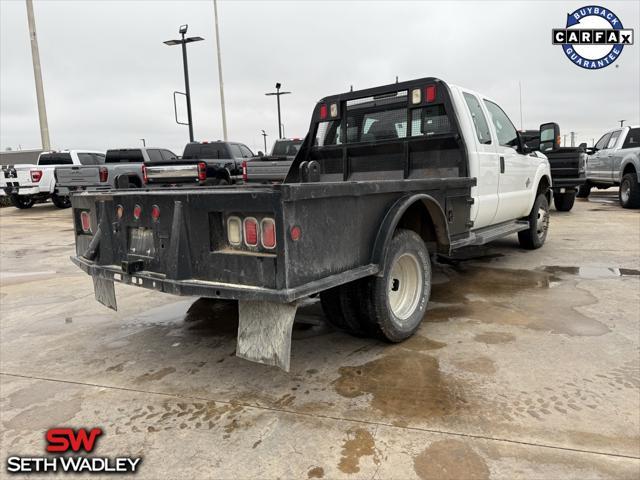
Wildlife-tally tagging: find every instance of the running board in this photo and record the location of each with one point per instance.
(489, 234)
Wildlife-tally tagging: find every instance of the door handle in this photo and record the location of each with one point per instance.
(501, 164)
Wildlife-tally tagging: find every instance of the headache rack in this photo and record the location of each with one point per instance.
(399, 131)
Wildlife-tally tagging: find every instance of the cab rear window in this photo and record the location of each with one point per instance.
(124, 156)
(55, 159)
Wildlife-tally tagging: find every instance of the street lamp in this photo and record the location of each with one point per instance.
(277, 93)
(183, 42)
(264, 135)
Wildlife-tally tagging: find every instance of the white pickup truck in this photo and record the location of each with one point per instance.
(385, 178)
(26, 184)
(615, 161)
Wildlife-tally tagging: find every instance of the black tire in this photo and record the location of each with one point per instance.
(61, 201)
(341, 308)
(408, 258)
(629, 193)
(21, 201)
(535, 236)
(584, 190)
(564, 201)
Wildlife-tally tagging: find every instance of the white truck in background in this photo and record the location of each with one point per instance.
(26, 184)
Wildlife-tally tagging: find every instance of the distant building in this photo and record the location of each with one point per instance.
(12, 157)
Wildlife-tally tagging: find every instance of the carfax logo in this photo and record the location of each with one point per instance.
(68, 443)
(593, 37)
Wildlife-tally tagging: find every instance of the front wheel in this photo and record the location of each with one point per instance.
(629, 193)
(61, 201)
(394, 304)
(564, 201)
(536, 234)
(21, 201)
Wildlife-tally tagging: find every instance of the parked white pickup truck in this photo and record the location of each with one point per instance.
(615, 161)
(26, 184)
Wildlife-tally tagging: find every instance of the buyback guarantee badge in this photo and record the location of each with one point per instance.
(593, 37)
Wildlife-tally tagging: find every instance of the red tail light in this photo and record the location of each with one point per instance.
(430, 93)
(104, 174)
(268, 233)
(36, 175)
(145, 177)
(137, 211)
(323, 111)
(296, 232)
(155, 213)
(245, 177)
(202, 171)
(85, 221)
(251, 232)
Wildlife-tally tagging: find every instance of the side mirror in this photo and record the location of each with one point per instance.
(260, 153)
(549, 137)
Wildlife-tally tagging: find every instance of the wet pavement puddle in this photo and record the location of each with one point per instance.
(521, 298)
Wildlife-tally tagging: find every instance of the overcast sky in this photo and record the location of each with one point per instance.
(108, 78)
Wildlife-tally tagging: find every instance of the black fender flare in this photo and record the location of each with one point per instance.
(393, 216)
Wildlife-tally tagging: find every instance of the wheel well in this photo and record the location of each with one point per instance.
(418, 219)
(629, 168)
(543, 187)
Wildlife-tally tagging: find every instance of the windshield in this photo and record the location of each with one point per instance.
(55, 159)
(124, 156)
(286, 147)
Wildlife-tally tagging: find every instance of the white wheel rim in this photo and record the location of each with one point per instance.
(405, 286)
(543, 222)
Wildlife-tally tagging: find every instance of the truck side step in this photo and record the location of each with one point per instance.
(489, 234)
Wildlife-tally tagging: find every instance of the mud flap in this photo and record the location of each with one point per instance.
(105, 292)
(264, 332)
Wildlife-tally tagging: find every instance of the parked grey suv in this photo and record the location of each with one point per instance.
(615, 161)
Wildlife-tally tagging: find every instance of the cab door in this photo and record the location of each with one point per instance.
(609, 157)
(596, 164)
(517, 171)
(488, 164)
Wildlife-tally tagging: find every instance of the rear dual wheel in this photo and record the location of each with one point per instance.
(391, 306)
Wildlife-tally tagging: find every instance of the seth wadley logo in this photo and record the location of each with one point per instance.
(593, 37)
(67, 440)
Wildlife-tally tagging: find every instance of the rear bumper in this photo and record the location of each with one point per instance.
(19, 190)
(567, 182)
(204, 288)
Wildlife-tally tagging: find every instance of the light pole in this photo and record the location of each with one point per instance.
(224, 115)
(277, 93)
(264, 135)
(622, 122)
(37, 73)
(183, 42)
(144, 142)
